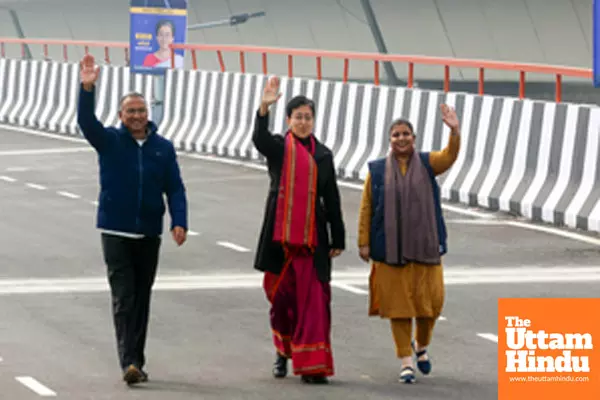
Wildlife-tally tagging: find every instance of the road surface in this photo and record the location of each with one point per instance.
(209, 335)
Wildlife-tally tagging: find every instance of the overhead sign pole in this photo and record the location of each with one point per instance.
(596, 43)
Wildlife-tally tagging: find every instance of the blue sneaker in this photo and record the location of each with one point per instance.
(423, 365)
(407, 375)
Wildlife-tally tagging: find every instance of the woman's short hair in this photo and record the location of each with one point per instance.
(297, 102)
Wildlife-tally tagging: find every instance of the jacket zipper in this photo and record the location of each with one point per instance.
(140, 186)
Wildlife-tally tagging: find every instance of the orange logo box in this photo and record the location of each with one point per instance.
(549, 349)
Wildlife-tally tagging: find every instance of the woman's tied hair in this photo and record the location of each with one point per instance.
(401, 121)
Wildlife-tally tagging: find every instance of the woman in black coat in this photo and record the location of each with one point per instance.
(302, 231)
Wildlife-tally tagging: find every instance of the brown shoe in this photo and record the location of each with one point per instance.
(132, 375)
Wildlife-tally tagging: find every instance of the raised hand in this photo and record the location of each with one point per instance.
(271, 92)
(88, 71)
(449, 117)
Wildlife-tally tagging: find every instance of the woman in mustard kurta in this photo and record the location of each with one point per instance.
(402, 231)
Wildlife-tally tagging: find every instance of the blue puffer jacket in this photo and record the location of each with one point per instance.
(133, 178)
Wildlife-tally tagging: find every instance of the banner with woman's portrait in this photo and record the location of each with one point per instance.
(155, 24)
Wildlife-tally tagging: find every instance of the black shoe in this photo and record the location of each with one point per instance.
(132, 375)
(280, 367)
(315, 379)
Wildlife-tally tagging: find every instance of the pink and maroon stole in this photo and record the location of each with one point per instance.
(303, 336)
(295, 213)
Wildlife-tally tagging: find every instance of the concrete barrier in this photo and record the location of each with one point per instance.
(530, 158)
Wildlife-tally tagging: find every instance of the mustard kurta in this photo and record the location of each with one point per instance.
(414, 290)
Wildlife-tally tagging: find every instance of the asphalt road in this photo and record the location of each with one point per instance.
(209, 335)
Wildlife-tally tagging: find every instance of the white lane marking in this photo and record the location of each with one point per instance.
(441, 318)
(455, 209)
(349, 288)
(488, 336)
(193, 233)
(69, 195)
(7, 179)
(476, 222)
(42, 134)
(17, 169)
(254, 280)
(45, 151)
(556, 231)
(35, 386)
(233, 246)
(35, 186)
(1, 359)
(95, 202)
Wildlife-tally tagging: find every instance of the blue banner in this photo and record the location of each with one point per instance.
(154, 25)
(596, 41)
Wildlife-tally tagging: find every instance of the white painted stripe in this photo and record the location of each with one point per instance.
(233, 246)
(349, 288)
(36, 152)
(520, 157)
(594, 218)
(453, 276)
(361, 146)
(17, 169)
(385, 96)
(180, 133)
(1, 359)
(43, 121)
(483, 197)
(193, 233)
(488, 222)
(33, 84)
(488, 336)
(7, 179)
(230, 147)
(41, 134)
(69, 195)
(233, 120)
(566, 163)
(334, 113)
(428, 132)
(556, 232)
(589, 170)
(441, 318)
(36, 186)
(210, 111)
(462, 155)
(35, 386)
(33, 117)
(225, 102)
(543, 155)
(24, 69)
(482, 134)
(8, 100)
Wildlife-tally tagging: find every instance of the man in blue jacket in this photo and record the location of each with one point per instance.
(137, 167)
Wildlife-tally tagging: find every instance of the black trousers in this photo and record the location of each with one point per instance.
(131, 267)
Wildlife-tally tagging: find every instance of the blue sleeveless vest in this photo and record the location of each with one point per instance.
(377, 237)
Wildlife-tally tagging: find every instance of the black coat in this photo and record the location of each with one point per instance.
(269, 255)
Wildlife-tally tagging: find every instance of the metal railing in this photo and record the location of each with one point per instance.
(319, 55)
